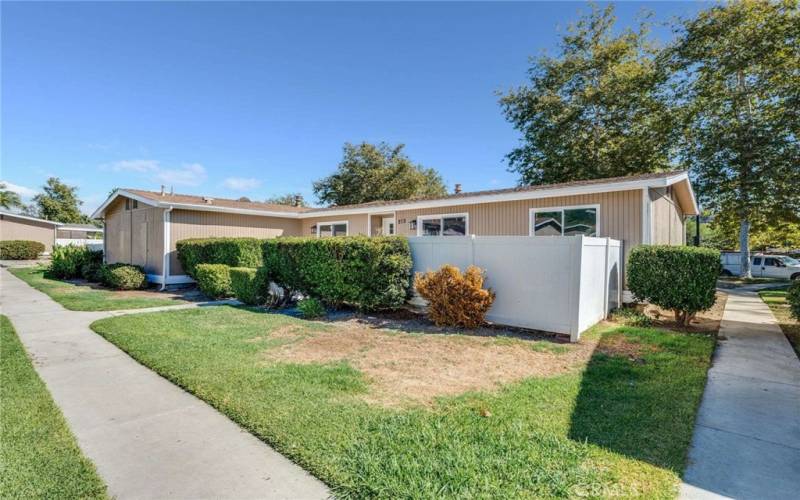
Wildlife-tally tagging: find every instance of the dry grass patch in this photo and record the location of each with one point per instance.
(704, 322)
(417, 367)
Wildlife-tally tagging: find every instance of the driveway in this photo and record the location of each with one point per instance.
(746, 442)
(147, 437)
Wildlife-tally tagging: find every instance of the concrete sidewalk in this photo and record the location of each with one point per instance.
(746, 442)
(147, 437)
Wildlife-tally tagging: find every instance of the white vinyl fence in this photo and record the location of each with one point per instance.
(81, 242)
(561, 284)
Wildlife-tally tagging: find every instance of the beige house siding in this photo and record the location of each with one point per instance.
(356, 224)
(196, 224)
(619, 218)
(12, 228)
(668, 218)
(135, 236)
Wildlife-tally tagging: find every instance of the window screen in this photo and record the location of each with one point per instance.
(454, 226)
(548, 223)
(431, 227)
(565, 222)
(580, 221)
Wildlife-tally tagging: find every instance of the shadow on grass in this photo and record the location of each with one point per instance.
(640, 392)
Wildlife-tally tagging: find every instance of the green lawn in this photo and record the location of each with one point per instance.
(83, 298)
(619, 426)
(39, 457)
(776, 300)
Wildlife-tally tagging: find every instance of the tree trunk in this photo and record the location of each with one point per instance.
(744, 247)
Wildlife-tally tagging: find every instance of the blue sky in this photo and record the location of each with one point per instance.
(257, 99)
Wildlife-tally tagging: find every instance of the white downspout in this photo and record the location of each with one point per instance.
(165, 263)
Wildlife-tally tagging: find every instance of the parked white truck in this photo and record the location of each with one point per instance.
(762, 266)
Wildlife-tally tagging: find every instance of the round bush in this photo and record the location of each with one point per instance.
(124, 276)
(20, 249)
(455, 298)
(310, 308)
(681, 279)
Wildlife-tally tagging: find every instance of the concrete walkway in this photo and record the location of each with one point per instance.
(147, 437)
(746, 442)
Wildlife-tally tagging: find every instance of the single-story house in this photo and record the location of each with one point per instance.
(142, 227)
(23, 227)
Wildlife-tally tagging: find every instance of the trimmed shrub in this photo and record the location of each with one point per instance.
(249, 285)
(455, 298)
(67, 262)
(681, 279)
(310, 308)
(214, 280)
(233, 252)
(793, 298)
(367, 273)
(20, 249)
(124, 276)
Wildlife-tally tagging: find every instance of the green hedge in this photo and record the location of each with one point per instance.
(793, 298)
(681, 279)
(68, 262)
(233, 252)
(20, 249)
(249, 284)
(367, 273)
(123, 276)
(214, 280)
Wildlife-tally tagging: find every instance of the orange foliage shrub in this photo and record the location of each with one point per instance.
(455, 299)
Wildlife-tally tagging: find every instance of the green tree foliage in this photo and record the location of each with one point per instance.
(8, 198)
(370, 172)
(736, 70)
(290, 199)
(59, 202)
(593, 111)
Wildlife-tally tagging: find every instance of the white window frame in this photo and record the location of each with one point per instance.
(441, 217)
(533, 211)
(334, 223)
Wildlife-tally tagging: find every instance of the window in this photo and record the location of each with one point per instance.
(442, 225)
(328, 229)
(757, 261)
(572, 221)
(135, 203)
(772, 261)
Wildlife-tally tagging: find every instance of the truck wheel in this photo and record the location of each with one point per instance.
(796, 276)
(725, 272)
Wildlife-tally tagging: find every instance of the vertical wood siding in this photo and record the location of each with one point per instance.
(196, 224)
(135, 236)
(31, 230)
(620, 215)
(668, 218)
(357, 223)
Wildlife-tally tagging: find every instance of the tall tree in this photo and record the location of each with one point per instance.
(59, 202)
(737, 79)
(293, 199)
(370, 172)
(595, 110)
(8, 198)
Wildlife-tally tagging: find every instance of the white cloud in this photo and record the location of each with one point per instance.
(241, 183)
(188, 174)
(24, 192)
(191, 174)
(133, 166)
